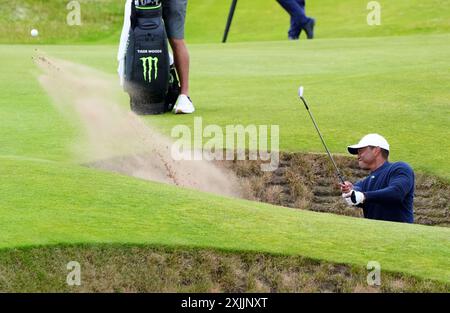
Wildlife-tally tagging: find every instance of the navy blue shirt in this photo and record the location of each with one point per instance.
(389, 193)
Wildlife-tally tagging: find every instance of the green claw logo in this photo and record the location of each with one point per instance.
(150, 63)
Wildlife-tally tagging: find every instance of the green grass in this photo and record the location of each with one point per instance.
(99, 18)
(255, 20)
(395, 86)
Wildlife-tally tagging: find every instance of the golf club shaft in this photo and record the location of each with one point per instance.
(338, 173)
(229, 20)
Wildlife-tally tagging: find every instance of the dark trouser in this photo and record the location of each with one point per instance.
(296, 9)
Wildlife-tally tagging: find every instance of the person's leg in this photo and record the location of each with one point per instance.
(301, 3)
(181, 56)
(174, 14)
(298, 17)
(308, 27)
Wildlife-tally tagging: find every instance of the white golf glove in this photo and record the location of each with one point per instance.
(354, 197)
(347, 199)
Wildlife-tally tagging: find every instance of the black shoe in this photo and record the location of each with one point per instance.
(309, 28)
(295, 38)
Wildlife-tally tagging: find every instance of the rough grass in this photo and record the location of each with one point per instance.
(137, 268)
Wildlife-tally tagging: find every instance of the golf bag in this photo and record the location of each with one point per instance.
(148, 73)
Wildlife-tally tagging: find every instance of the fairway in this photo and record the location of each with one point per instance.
(396, 86)
(394, 80)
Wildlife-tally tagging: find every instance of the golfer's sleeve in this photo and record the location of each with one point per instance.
(400, 183)
(125, 31)
(358, 186)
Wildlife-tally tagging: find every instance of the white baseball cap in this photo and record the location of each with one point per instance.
(373, 140)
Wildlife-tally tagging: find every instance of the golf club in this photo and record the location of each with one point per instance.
(229, 20)
(338, 173)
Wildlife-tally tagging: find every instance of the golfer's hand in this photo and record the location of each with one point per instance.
(354, 197)
(346, 187)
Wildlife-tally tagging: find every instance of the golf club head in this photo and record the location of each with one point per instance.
(300, 91)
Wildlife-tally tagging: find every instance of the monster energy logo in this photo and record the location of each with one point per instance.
(148, 64)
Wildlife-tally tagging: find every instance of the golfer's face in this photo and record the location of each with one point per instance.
(365, 157)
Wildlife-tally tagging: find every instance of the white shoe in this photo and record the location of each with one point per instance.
(183, 105)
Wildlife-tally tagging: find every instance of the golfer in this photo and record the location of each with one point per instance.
(388, 192)
(174, 14)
